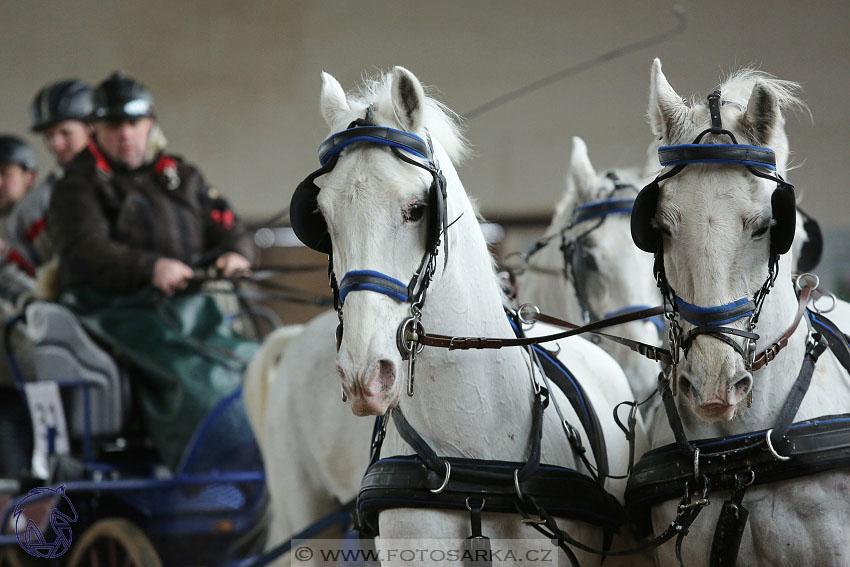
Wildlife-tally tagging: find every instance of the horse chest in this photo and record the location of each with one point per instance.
(794, 522)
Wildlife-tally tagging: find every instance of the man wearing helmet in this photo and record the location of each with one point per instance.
(127, 219)
(59, 112)
(17, 173)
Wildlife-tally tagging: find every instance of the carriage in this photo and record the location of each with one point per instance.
(108, 499)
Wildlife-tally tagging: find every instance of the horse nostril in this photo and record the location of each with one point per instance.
(386, 374)
(744, 384)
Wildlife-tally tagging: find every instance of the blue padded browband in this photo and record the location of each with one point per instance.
(738, 154)
(376, 135)
(717, 315)
(602, 209)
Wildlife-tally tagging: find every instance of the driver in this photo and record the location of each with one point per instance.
(130, 224)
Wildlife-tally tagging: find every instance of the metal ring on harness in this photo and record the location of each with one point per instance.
(480, 508)
(752, 479)
(445, 480)
(407, 340)
(520, 313)
(696, 462)
(806, 276)
(770, 445)
(516, 485)
(819, 310)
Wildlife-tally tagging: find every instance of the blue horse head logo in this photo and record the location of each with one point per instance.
(30, 537)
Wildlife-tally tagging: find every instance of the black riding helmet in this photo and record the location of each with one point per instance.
(15, 150)
(62, 100)
(121, 98)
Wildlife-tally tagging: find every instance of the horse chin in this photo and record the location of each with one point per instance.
(363, 406)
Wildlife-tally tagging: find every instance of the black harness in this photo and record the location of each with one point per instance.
(427, 480)
(787, 450)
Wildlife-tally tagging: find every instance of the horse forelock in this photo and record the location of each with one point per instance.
(374, 96)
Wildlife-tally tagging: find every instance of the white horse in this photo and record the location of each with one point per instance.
(314, 450)
(591, 269)
(466, 404)
(717, 231)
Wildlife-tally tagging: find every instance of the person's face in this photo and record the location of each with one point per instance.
(124, 141)
(14, 182)
(66, 139)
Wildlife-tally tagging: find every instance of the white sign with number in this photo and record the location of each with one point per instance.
(48, 423)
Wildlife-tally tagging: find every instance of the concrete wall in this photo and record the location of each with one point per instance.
(236, 83)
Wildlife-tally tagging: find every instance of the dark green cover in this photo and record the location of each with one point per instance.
(188, 355)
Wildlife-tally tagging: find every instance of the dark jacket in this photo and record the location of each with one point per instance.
(110, 225)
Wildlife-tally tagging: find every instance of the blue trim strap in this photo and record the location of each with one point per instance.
(603, 208)
(371, 280)
(377, 135)
(715, 315)
(738, 154)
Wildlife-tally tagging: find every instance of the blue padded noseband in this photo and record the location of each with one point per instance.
(370, 280)
(715, 315)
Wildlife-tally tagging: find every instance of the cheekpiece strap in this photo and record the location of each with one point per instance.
(377, 135)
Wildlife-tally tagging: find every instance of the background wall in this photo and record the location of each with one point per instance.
(237, 83)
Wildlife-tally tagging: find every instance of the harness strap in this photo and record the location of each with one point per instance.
(730, 529)
(719, 333)
(768, 354)
(438, 464)
(814, 446)
(798, 390)
(407, 482)
(465, 343)
(673, 417)
(838, 342)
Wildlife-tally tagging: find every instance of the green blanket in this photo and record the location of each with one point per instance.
(188, 355)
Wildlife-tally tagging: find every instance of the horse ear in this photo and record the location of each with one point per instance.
(762, 115)
(408, 99)
(668, 114)
(582, 174)
(651, 166)
(333, 101)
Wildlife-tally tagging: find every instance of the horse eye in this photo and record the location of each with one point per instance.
(759, 232)
(590, 262)
(663, 228)
(414, 212)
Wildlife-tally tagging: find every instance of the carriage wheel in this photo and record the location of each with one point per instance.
(113, 542)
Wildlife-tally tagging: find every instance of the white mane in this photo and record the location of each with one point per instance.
(738, 86)
(444, 125)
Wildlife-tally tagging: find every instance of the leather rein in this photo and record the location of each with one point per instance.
(529, 314)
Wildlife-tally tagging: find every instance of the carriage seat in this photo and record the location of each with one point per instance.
(63, 351)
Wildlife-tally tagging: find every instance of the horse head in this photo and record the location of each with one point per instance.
(719, 224)
(383, 199)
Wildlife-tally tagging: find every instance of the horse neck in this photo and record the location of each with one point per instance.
(545, 284)
(468, 403)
